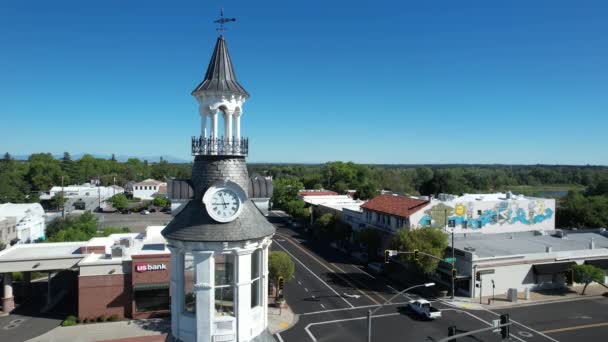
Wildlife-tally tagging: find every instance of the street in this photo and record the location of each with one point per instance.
(332, 295)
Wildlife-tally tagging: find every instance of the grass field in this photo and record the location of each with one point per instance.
(548, 190)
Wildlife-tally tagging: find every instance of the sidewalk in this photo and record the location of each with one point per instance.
(280, 319)
(149, 329)
(540, 297)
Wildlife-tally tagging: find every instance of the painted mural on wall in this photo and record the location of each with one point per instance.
(461, 215)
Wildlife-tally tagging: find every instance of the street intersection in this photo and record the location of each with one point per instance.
(331, 296)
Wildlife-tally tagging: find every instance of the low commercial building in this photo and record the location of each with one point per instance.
(126, 275)
(149, 188)
(533, 260)
(21, 223)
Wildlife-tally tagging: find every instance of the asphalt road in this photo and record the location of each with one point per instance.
(136, 222)
(332, 295)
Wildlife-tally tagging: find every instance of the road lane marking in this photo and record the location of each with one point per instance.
(353, 308)
(310, 334)
(323, 306)
(576, 327)
(313, 273)
(481, 320)
(362, 271)
(305, 289)
(313, 297)
(299, 283)
(524, 326)
(333, 271)
(279, 337)
(358, 282)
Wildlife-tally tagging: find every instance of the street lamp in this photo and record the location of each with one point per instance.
(371, 312)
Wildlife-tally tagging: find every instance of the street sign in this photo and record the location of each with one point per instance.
(450, 260)
(495, 324)
(486, 272)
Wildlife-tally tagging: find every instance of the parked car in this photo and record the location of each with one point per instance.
(145, 212)
(424, 308)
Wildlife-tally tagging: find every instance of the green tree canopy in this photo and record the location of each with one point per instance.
(285, 190)
(119, 202)
(160, 201)
(280, 265)
(432, 241)
(585, 274)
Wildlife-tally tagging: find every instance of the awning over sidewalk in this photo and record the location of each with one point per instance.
(552, 268)
(150, 286)
(601, 263)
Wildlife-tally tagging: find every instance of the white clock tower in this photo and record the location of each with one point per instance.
(219, 241)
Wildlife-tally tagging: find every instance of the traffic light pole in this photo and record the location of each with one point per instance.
(454, 337)
(389, 253)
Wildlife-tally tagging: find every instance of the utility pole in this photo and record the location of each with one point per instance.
(114, 187)
(453, 256)
(62, 200)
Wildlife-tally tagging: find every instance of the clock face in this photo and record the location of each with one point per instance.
(224, 205)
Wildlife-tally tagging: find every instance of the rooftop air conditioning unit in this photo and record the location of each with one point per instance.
(126, 241)
(469, 249)
(118, 251)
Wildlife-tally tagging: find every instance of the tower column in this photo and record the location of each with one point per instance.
(228, 124)
(237, 126)
(214, 123)
(204, 287)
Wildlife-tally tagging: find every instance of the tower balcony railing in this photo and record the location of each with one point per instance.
(220, 146)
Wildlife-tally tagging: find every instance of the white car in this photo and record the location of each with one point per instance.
(423, 308)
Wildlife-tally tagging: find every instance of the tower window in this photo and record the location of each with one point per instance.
(189, 281)
(256, 288)
(224, 285)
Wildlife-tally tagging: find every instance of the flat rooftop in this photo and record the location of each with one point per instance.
(42, 251)
(506, 244)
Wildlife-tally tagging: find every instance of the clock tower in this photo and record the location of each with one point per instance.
(219, 241)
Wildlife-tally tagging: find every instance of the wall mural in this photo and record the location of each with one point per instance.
(502, 213)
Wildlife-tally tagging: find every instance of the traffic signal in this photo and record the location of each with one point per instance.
(478, 276)
(452, 332)
(454, 273)
(387, 256)
(415, 254)
(281, 284)
(504, 331)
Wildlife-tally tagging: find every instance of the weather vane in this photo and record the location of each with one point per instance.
(221, 21)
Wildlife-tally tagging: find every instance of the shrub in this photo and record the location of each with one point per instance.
(113, 318)
(101, 318)
(69, 321)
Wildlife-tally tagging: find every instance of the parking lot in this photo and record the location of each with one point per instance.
(136, 222)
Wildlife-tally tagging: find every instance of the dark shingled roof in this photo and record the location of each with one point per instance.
(193, 223)
(220, 74)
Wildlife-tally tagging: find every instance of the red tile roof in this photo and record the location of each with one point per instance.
(394, 205)
(317, 193)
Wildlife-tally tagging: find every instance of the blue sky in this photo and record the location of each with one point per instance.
(368, 81)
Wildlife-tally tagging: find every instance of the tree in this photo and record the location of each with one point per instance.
(431, 241)
(280, 265)
(367, 190)
(297, 209)
(57, 201)
(160, 201)
(586, 274)
(322, 227)
(82, 228)
(7, 157)
(285, 190)
(119, 202)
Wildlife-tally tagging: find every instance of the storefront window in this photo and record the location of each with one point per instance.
(189, 281)
(152, 300)
(224, 285)
(256, 289)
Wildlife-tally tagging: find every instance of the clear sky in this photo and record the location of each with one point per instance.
(367, 81)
